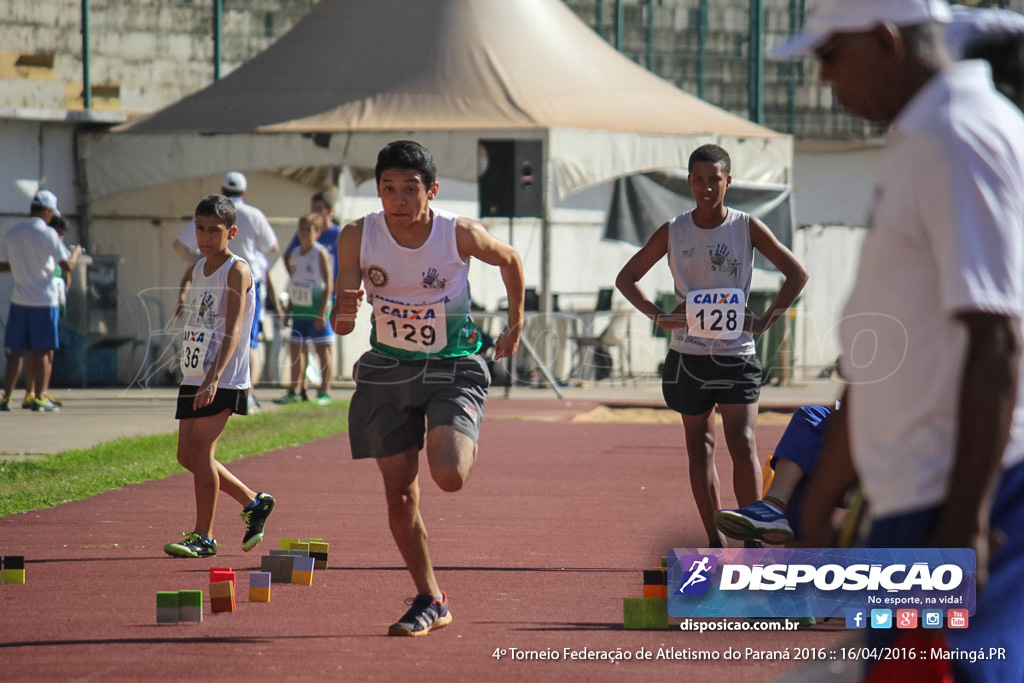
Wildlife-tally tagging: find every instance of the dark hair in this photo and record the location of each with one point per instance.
(406, 155)
(711, 154)
(218, 205)
(1005, 54)
(322, 197)
(59, 224)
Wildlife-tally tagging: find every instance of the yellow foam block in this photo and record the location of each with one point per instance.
(286, 543)
(259, 595)
(302, 578)
(14, 576)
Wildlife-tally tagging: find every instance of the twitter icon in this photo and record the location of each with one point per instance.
(881, 618)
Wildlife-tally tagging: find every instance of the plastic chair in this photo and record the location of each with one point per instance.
(145, 326)
(614, 337)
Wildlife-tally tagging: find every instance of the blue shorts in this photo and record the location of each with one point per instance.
(997, 619)
(801, 443)
(304, 330)
(254, 333)
(32, 328)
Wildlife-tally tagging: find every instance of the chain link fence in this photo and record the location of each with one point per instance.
(146, 54)
(703, 47)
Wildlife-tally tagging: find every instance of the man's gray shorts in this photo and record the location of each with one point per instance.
(395, 401)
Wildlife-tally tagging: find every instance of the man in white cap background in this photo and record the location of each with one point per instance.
(932, 421)
(32, 251)
(255, 239)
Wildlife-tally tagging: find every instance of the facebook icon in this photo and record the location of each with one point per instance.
(856, 618)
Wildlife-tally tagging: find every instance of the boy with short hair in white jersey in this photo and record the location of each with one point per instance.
(215, 382)
(309, 292)
(423, 370)
(711, 360)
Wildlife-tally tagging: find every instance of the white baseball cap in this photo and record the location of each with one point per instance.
(826, 17)
(234, 181)
(46, 200)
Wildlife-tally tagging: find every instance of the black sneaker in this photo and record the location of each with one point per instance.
(255, 516)
(194, 545)
(425, 614)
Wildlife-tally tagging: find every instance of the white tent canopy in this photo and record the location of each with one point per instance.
(353, 75)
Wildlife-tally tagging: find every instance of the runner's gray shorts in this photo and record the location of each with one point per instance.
(395, 401)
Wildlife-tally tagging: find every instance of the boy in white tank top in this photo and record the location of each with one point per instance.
(423, 371)
(215, 370)
(711, 361)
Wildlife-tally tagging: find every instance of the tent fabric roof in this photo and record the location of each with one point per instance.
(377, 65)
(355, 74)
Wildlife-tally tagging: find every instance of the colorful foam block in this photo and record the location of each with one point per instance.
(655, 591)
(190, 605)
(259, 594)
(318, 550)
(644, 613)
(295, 545)
(259, 586)
(167, 607)
(222, 596)
(302, 571)
(221, 574)
(14, 576)
(13, 569)
(259, 579)
(279, 566)
(286, 543)
(655, 577)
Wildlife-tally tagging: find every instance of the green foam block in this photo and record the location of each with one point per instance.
(645, 613)
(167, 598)
(190, 598)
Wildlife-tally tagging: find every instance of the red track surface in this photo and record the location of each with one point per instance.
(536, 553)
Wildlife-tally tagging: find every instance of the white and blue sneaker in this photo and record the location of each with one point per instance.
(759, 521)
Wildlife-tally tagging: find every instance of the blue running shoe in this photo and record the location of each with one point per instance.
(425, 614)
(756, 522)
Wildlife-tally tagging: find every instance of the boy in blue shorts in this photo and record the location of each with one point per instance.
(423, 372)
(309, 292)
(215, 382)
(711, 360)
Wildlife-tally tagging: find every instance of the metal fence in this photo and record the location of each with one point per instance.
(704, 47)
(144, 54)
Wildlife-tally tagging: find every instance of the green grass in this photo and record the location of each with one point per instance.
(80, 473)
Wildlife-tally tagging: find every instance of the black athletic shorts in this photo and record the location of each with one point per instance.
(693, 385)
(235, 400)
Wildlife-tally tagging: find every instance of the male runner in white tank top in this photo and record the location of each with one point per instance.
(423, 371)
(711, 359)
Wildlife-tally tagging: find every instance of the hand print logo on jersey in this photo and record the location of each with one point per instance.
(206, 315)
(432, 281)
(721, 262)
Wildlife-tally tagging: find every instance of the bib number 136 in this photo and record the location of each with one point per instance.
(715, 313)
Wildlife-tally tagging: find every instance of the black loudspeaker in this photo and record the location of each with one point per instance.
(510, 182)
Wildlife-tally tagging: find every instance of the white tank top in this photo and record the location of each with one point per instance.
(420, 296)
(204, 312)
(706, 259)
